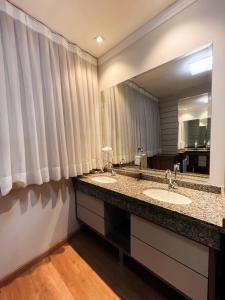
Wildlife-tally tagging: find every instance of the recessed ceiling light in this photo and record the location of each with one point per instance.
(201, 66)
(99, 39)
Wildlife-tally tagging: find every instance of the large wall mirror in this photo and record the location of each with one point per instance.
(162, 118)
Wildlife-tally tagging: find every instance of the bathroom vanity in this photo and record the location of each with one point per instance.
(180, 243)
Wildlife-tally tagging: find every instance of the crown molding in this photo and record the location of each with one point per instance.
(142, 91)
(161, 18)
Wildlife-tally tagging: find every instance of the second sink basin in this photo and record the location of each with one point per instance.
(167, 196)
(104, 179)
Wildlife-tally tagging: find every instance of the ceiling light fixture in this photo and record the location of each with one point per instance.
(201, 66)
(99, 39)
(203, 99)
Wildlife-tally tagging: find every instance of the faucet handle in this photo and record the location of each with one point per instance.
(122, 161)
(174, 185)
(176, 168)
(166, 173)
(113, 172)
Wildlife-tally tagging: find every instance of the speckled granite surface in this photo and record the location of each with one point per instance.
(202, 220)
(189, 180)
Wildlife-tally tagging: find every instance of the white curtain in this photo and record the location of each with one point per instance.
(130, 119)
(49, 104)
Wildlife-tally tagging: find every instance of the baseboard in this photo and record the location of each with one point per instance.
(10, 277)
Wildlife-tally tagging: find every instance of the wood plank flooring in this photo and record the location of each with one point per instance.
(87, 268)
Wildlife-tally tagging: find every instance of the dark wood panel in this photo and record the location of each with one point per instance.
(169, 108)
(169, 121)
(166, 126)
(169, 114)
(169, 124)
(168, 137)
(170, 131)
(169, 142)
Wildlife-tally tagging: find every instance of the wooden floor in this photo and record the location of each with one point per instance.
(87, 268)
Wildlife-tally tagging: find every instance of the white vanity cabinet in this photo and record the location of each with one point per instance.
(181, 262)
(90, 210)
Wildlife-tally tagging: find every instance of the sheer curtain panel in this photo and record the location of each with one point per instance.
(49, 104)
(130, 118)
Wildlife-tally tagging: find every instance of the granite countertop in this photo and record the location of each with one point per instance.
(191, 180)
(202, 220)
(188, 177)
(203, 178)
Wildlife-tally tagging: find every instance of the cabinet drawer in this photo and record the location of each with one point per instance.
(91, 219)
(189, 253)
(192, 284)
(91, 203)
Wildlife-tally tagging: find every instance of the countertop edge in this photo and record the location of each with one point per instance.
(192, 228)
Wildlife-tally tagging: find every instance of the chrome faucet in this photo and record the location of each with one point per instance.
(122, 162)
(176, 169)
(109, 164)
(113, 171)
(171, 184)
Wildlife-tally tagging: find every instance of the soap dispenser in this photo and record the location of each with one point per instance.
(140, 158)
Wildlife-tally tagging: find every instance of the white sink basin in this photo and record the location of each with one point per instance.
(104, 179)
(167, 196)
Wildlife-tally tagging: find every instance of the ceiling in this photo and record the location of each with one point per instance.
(80, 21)
(174, 78)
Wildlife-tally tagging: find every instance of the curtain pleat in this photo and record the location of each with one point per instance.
(49, 117)
(130, 119)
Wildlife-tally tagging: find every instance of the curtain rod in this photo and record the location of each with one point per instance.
(50, 29)
(141, 90)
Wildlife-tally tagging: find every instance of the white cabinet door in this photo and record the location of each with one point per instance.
(191, 254)
(91, 219)
(189, 282)
(91, 203)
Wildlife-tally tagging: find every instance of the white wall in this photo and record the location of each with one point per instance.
(199, 24)
(32, 220)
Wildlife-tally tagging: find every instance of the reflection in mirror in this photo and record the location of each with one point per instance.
(197, 133)
(161, 119)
